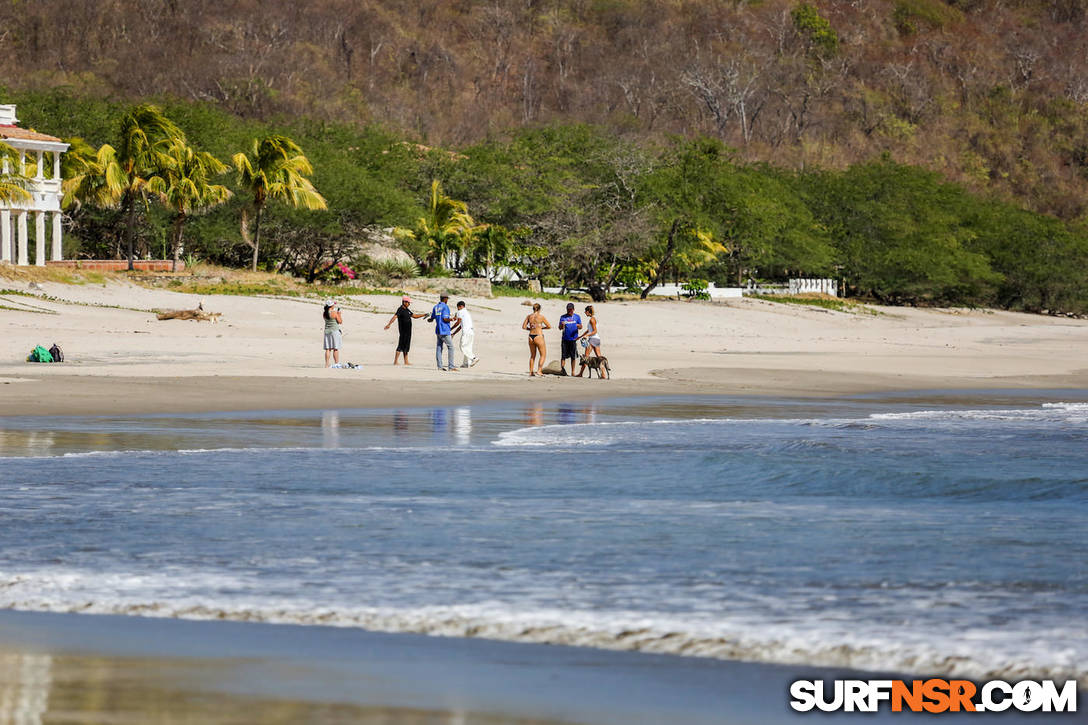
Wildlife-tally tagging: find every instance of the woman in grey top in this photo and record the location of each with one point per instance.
(332, 331)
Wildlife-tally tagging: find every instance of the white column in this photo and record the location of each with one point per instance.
(41, 164)
(56, 237)
(21, 224)
(39, 238)
(56, 165)
(5, 235)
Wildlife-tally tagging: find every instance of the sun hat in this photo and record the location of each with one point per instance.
(405, 298)
(444, 296)
(329, 302)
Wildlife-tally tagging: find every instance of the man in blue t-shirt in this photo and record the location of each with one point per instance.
(569, 325)
(440, 315)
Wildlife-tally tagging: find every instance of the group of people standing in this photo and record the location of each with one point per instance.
(447, 324)
(571, 326)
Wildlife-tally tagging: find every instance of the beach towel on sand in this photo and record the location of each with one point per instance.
(39, 354)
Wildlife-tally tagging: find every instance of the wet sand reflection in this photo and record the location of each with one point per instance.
(37, 689)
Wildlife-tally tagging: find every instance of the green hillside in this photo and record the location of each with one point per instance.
(922, 151)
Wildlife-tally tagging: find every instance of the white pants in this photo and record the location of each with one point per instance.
(467, 338)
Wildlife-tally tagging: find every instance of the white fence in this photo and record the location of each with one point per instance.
(814, 286)
(674, 290)
(795, 287)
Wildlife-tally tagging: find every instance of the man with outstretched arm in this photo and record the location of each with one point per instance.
(404, 317)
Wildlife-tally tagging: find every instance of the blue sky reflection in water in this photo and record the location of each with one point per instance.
(877, 533)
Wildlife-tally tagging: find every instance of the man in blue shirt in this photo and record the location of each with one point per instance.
(569, 324)
(440, 315)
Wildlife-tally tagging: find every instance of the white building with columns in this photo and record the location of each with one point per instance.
(42, 152)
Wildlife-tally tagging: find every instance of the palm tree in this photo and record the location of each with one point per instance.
(91, 177)
(12, 180)
(445, 226)
(490, 246)
(146, 133)
(184, 185)
(277, 170)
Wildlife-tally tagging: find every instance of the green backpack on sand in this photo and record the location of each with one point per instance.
(39, 354)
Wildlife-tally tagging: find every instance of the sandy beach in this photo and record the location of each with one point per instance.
(265, 353)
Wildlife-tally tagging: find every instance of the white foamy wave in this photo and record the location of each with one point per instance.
(1073, 413)
(601, 434)
(805, 641)
(572, 434)
(236, 450)
(636, 432)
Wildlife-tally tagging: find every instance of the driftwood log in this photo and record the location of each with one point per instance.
(198, 314)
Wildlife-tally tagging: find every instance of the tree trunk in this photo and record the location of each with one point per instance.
(179, 222)
(257, 235)
(597, 292)
(670, 248)
(130, 223)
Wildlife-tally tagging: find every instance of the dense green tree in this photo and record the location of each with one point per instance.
(815, 28)
(902, 236)
(683, 191)
(1042, 262)
(770, 231)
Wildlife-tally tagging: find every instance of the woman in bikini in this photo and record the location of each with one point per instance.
(591, 336)
(536, 324)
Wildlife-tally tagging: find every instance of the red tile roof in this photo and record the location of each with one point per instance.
(23, 134)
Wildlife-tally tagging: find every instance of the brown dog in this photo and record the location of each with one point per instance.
(596, 363)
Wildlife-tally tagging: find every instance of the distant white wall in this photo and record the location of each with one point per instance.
(794, 287)
(814, 286)
(674, 290)
(716, 293)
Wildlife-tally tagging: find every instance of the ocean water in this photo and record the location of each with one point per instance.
(893, 534)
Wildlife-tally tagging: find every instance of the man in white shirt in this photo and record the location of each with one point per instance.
(463, 324)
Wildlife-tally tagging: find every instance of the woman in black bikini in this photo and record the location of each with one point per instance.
(536, 323)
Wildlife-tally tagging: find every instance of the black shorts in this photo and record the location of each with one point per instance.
(570, 349)
(405, 342)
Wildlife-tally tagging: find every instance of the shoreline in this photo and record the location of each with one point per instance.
(74, 395)
(73, 664)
